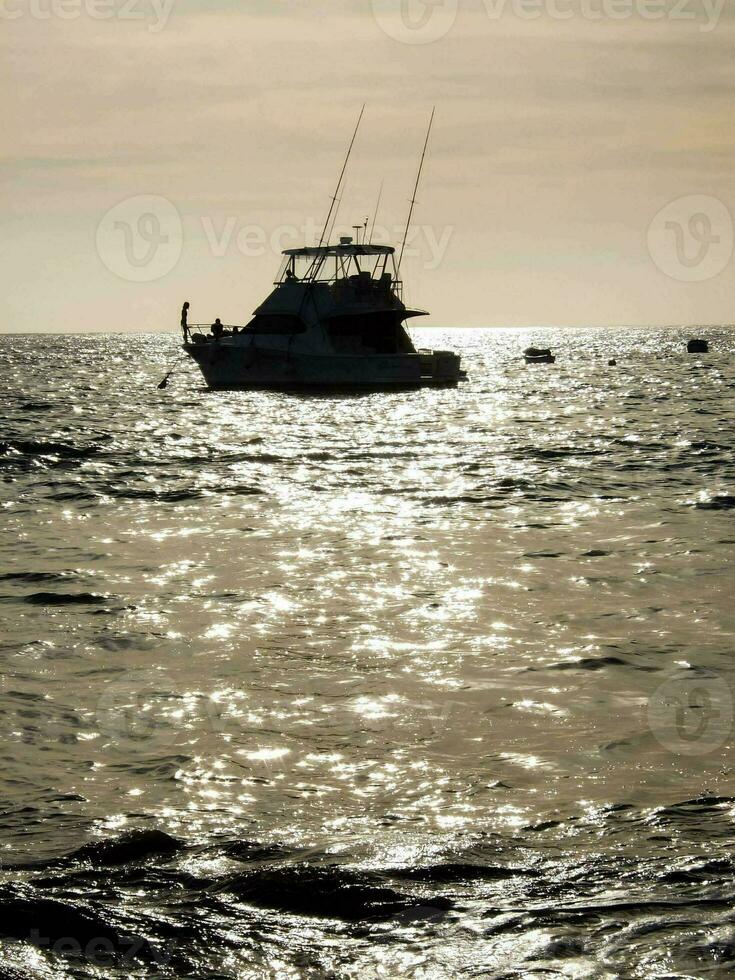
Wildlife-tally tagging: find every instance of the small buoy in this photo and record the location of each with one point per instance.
(698, 346)
(612, 363)
(539, 355)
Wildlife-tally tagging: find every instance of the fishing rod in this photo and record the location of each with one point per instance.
(336, 213)
(377, 208)
(341, 176)
(415, 190)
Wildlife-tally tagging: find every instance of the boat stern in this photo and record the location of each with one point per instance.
(441, 367)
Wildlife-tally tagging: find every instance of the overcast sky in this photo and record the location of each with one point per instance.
(215, 129)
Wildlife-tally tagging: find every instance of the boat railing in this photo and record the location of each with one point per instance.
(202, 331)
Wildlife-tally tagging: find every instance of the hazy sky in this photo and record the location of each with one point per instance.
(217, 129)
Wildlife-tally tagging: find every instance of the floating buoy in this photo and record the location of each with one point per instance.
(539, 355)
(612, 363)
(698, 346)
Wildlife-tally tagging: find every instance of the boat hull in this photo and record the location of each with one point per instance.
(544, 359)
(227, 366)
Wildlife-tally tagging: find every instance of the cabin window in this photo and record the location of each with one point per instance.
(377, 333)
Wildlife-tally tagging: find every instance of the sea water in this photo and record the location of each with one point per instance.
(428, 684)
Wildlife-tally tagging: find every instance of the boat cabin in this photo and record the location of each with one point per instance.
(348, 295)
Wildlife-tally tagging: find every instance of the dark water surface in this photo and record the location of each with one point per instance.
(417, 685)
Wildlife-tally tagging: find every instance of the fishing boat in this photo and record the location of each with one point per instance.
(336, 318)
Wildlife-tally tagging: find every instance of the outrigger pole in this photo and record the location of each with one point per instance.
(415, 191)
(341, 177)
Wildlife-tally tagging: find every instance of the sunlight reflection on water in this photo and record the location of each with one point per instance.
(361, 619)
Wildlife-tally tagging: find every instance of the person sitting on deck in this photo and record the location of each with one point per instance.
(217, 329)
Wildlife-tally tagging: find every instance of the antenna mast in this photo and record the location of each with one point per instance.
(341, 177)
(415, 190)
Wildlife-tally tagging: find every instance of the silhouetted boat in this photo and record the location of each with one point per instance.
(335, 319)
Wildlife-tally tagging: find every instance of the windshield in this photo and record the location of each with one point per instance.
(330, 265)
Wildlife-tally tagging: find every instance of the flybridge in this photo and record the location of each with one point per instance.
(364, 263)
